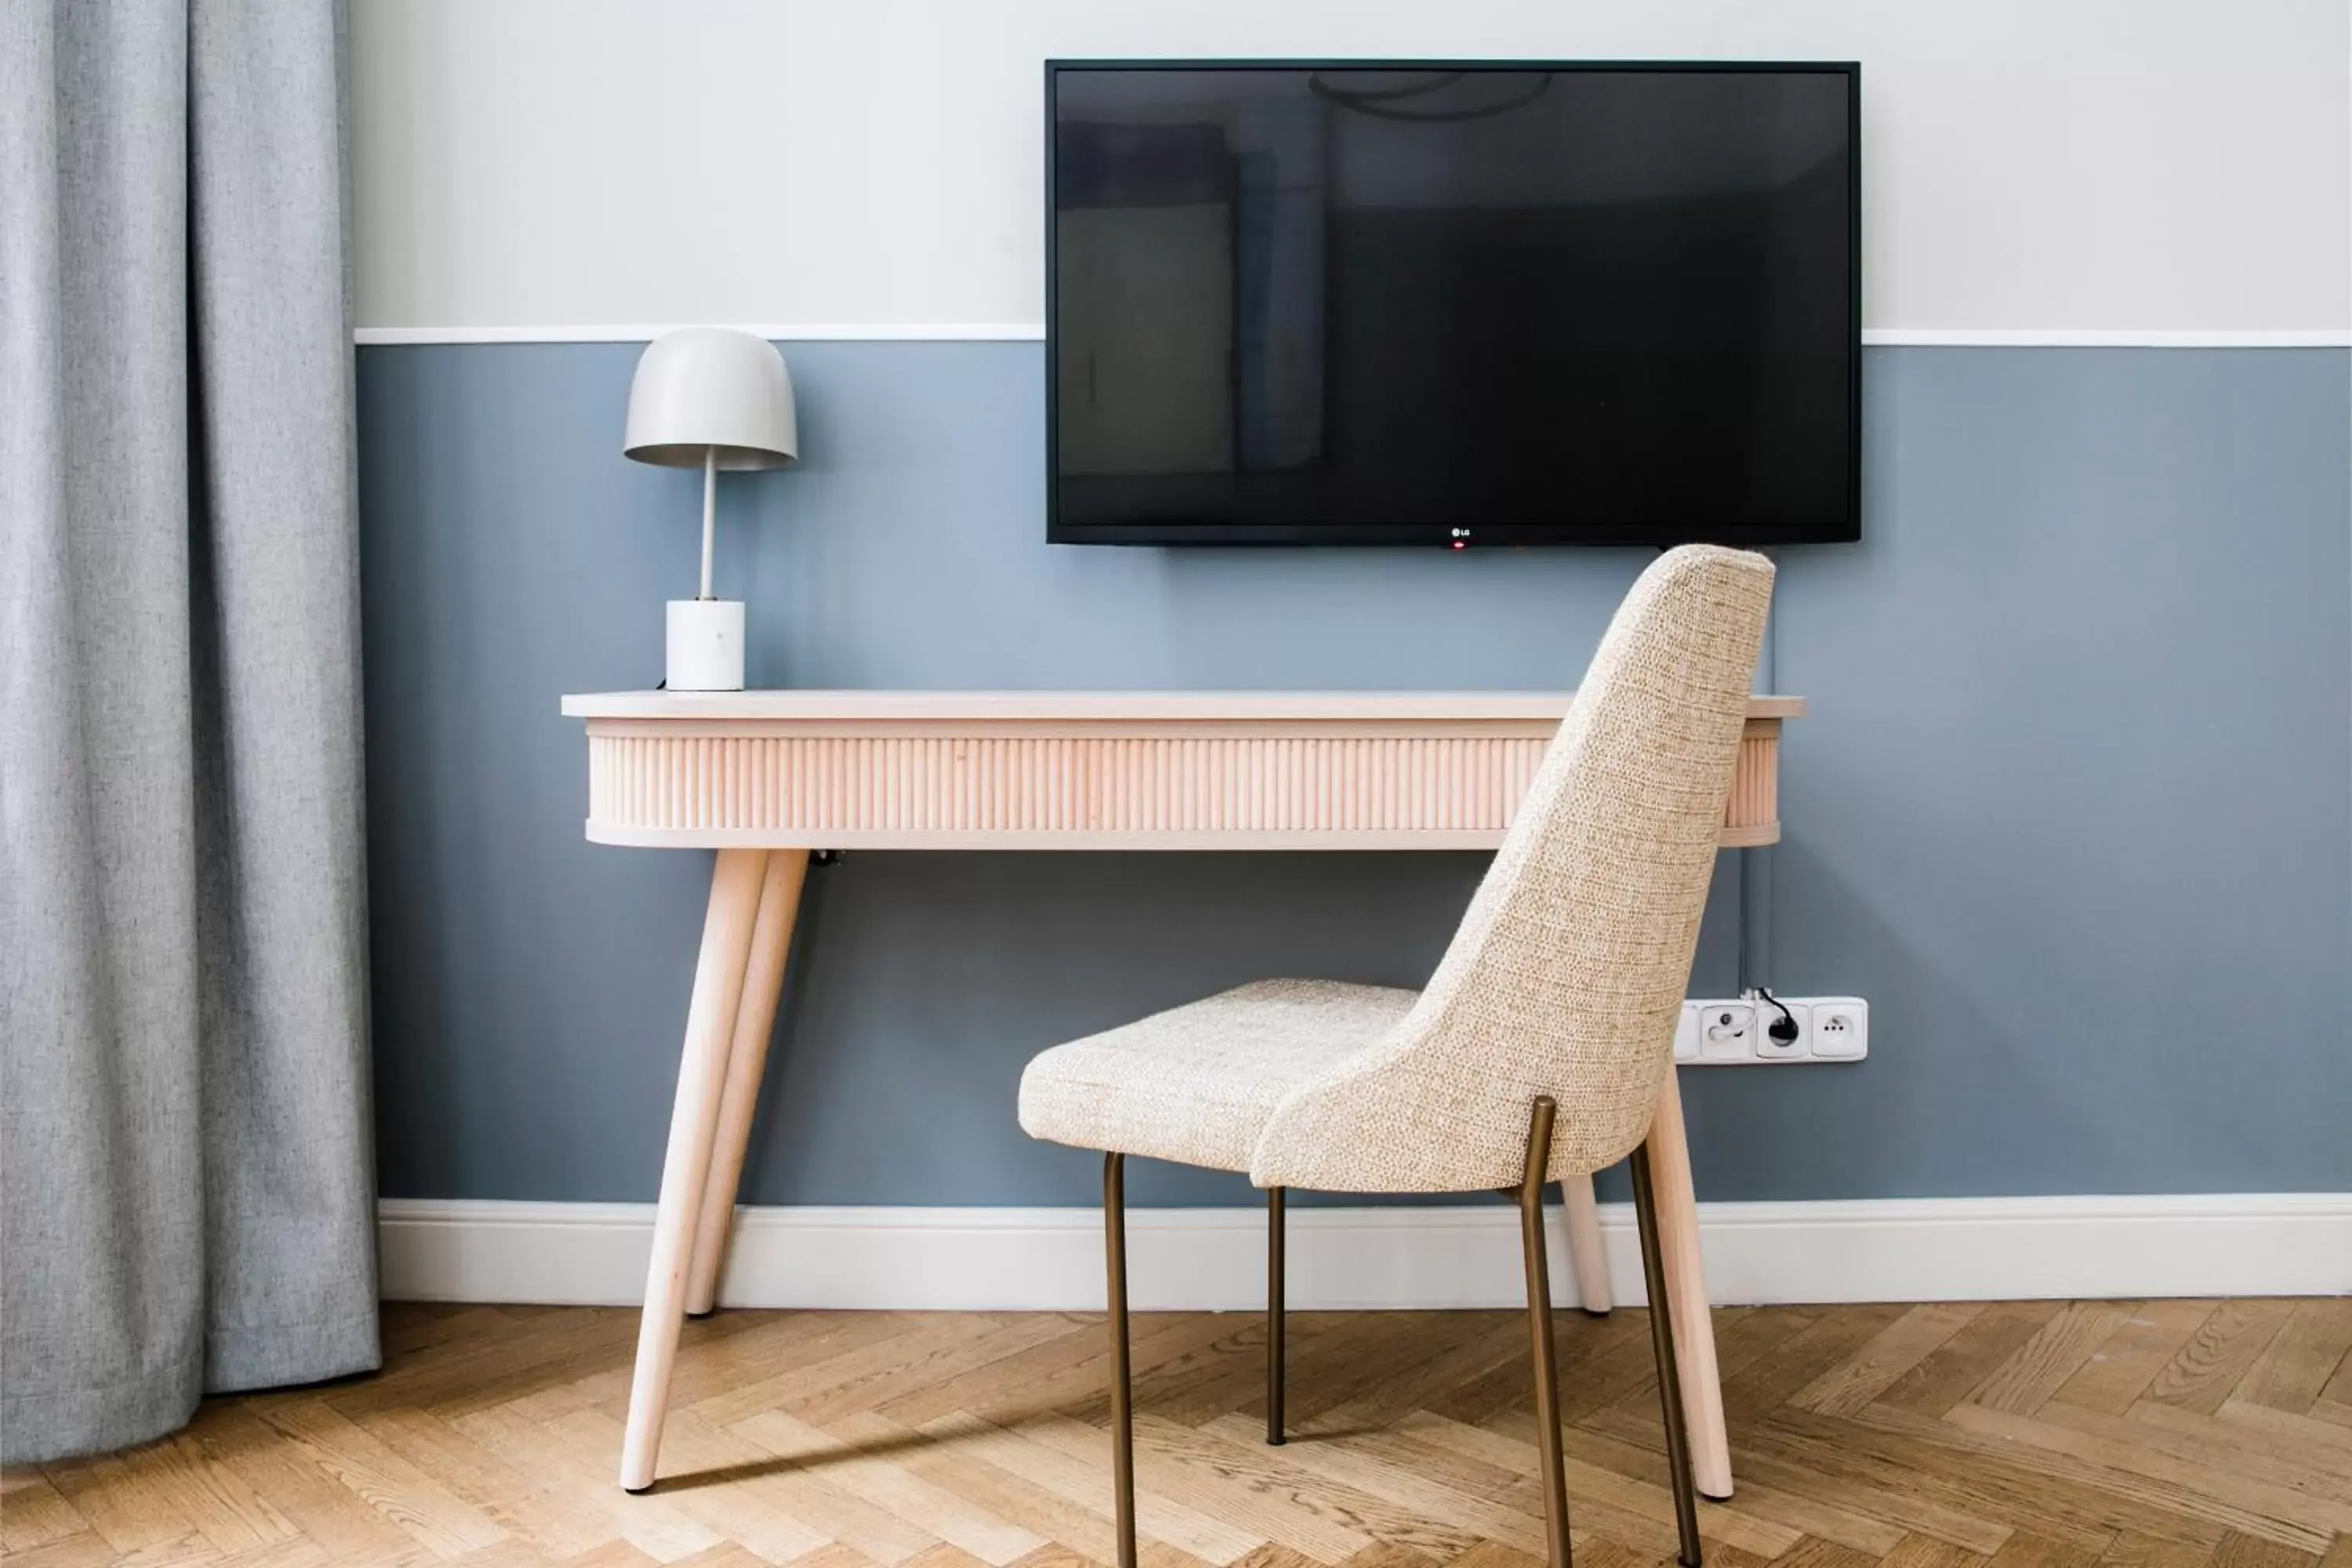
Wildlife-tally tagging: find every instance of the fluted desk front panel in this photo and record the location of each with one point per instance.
(1091, 771)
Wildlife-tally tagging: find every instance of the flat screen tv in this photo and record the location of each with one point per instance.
(1447, 303)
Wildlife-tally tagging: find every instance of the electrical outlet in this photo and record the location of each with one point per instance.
(1798, 1046)
(1727, 1031)
(1841, 1028)
(1739, 1032)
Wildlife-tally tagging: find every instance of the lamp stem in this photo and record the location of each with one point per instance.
(710, 508)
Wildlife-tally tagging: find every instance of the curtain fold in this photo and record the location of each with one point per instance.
(186, 1188)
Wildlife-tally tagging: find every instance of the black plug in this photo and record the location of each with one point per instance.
(1782, 1030)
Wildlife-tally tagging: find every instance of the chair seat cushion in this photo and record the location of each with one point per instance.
(1198, 1083)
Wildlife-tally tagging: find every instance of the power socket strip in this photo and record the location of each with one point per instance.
(1737, 1031)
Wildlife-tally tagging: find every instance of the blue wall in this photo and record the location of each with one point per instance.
(2073, 808)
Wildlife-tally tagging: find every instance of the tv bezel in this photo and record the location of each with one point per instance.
(1456, 534)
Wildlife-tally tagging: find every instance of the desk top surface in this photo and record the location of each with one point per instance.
(1204, 706)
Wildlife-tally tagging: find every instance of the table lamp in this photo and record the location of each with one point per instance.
(712, 398)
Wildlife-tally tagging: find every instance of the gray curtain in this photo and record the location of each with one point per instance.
(185, 1178)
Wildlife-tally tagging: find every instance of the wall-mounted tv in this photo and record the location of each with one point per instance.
(1452, 303)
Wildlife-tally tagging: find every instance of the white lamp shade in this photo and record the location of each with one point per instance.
(705, 388)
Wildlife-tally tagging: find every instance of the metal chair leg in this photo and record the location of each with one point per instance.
(1662, 1339)
(1553, 1458)
(1122, 1416)
(1274, 1283)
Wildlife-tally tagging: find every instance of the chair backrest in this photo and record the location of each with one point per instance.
(1567, 975)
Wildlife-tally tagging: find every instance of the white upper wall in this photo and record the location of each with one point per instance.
(2030, 165)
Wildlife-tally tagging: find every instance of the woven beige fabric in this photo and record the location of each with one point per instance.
(1198, 1083)
(1565, 978)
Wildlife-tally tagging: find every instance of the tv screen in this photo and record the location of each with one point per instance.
(1452, 303)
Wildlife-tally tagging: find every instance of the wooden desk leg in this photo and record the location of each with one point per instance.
(1585, 1248)
(701, 1073)
(1669, 1172)
(747, 1059)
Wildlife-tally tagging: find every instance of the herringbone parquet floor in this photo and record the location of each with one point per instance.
(2032, 1434)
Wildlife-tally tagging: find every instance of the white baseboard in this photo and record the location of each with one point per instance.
(1033, 332)
(1928, 1249)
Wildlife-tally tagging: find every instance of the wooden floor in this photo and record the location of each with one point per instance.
(2155, 1435)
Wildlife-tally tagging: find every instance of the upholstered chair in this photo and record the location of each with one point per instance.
(1537, 1049)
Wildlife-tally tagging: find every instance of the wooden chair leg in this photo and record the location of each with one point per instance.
(1122, 1414)
(1670, 1169)
(747, 1060)
(1662, 1345)
(1552, 1458)
(702, 1069)
(1274, 1271)
(1585, 1249)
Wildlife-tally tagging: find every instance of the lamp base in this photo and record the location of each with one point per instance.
(706, 645)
